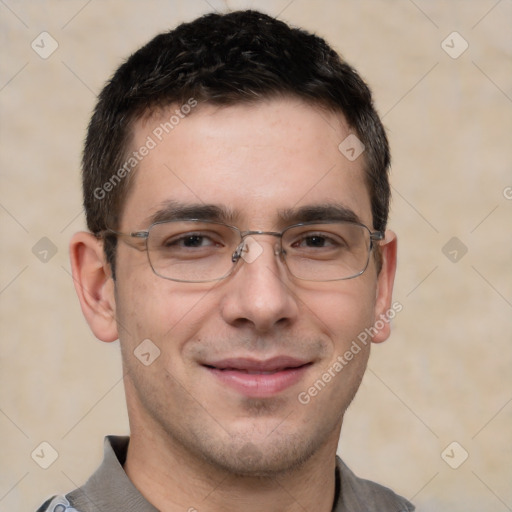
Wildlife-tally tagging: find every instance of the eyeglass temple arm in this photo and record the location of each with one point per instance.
(138, 235)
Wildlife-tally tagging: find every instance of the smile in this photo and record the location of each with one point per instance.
(259, 379)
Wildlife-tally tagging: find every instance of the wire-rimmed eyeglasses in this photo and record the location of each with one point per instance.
(198, 251)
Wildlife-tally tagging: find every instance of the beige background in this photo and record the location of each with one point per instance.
(445, 374)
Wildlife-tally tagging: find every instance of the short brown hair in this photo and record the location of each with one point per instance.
(224, 59)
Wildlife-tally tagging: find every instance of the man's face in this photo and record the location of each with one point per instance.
(236, 354)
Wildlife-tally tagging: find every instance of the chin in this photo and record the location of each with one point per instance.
(264, 458)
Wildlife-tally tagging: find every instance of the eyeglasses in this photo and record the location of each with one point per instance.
(197, 251)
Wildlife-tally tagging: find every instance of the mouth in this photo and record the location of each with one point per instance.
(259, 378)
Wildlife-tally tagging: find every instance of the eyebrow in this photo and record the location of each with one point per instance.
(320, 212)
(175, 210)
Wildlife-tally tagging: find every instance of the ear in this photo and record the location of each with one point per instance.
(94, 285)
(385, 280)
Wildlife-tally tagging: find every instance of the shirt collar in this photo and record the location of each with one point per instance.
(109, 488)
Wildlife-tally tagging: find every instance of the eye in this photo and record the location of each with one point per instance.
(191, 241)
(317, 241)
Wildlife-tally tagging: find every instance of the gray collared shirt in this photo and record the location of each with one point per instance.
(110, 490)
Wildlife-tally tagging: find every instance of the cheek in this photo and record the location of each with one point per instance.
(343, 309)
(149, 307)
(342, 312)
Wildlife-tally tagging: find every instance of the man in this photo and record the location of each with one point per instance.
(236, 190)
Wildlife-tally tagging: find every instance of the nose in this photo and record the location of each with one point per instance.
(258, 294)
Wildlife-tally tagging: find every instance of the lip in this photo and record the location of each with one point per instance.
(259, 378)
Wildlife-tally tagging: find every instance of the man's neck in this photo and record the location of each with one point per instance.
(173, 481)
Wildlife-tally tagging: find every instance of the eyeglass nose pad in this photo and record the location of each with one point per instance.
(238, 253)
(278, 251)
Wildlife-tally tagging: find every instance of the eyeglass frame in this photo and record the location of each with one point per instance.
(374, 236)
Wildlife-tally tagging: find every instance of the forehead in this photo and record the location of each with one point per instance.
(254, 161)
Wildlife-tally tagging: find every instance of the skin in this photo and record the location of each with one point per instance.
(196, 442)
